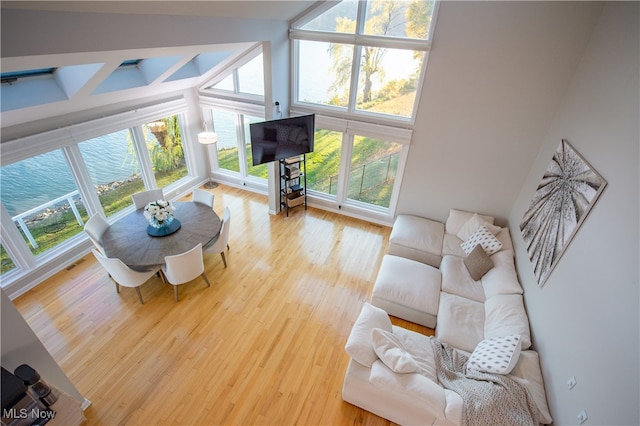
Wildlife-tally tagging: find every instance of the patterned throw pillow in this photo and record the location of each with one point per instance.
(485, 238)
(497, 355)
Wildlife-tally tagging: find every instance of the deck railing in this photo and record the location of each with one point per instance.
(19, 219)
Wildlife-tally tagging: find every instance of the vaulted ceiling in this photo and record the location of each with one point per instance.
(96, 77)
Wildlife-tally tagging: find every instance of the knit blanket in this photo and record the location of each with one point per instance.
(488, 399)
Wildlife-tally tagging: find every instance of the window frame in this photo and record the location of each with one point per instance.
(237, 108)
(232, 69)
(350, 129)
(358, 40)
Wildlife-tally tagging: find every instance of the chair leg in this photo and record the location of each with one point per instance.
(175, 292)
(224, 260)
(139, 295)
(206, 279)
(117, 287)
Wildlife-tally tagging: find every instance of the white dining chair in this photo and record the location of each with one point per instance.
(123, 275)
(203, 197)
(141, 199)
(95, 227)
(222, 241)
(184, 267)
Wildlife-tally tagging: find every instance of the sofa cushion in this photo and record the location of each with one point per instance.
(392, 352)
(457, 219)
(408, 283)
(504, 236)
(460, 322)
(485, 238)
(502, 278)
(527, 372)
(472, 226)
(497, 355)
(478, 263)
(417, 238)
(457, 280)
(359, 342)
(505, 315)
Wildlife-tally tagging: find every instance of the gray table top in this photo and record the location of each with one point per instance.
(127, 238)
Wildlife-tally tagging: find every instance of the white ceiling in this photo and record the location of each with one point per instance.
(258, 9)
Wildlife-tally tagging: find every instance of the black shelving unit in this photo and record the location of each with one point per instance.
(293, 183)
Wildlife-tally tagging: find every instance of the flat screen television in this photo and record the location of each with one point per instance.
(283, 138)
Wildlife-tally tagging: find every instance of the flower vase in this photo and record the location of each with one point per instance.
(159, 214)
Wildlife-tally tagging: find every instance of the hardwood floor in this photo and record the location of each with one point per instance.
(263, 345)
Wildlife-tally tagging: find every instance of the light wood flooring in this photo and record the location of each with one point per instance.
(264, 345)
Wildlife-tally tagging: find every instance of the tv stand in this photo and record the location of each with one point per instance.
(293, 182)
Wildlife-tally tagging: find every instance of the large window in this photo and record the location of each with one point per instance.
(323, 164)
(370, 163)
(89, 168)
(114, 169)
(242, 87)
(366, 57)
(361, 63)
(234, 143)
(372, 172)
(43, 200)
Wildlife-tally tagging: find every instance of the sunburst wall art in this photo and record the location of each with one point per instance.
(568, 190)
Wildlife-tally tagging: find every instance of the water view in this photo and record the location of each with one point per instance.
(32, 182)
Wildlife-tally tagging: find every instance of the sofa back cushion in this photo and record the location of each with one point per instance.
(457, 280)
(458, 218)
(505, 315)
(502, 278)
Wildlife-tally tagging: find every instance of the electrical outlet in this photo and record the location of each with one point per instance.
(571, 382)
(582, 417)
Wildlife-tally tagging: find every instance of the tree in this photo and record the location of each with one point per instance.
(384, 18)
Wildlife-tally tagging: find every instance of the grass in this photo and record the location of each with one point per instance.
(368, 181)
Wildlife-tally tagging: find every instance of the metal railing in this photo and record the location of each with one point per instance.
(19, 219)
(361, 170)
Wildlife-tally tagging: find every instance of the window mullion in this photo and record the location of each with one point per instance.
(242, 153)
(81, 175)
(144, 159)
(355, 76)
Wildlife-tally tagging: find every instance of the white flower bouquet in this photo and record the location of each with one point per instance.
(159, 213)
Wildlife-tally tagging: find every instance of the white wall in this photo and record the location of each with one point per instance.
(20, 345)
(585, 320)
(495, 77)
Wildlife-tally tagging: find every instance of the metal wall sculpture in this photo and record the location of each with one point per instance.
(568, 190)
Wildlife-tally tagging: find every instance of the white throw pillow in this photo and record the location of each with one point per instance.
(392, 352)
(497, 355)
(472, 226)
(359, 342)
(485, 238)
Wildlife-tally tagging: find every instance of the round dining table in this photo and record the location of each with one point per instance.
(127, 238)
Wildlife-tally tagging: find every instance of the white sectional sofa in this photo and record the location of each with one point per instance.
(427, 278)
